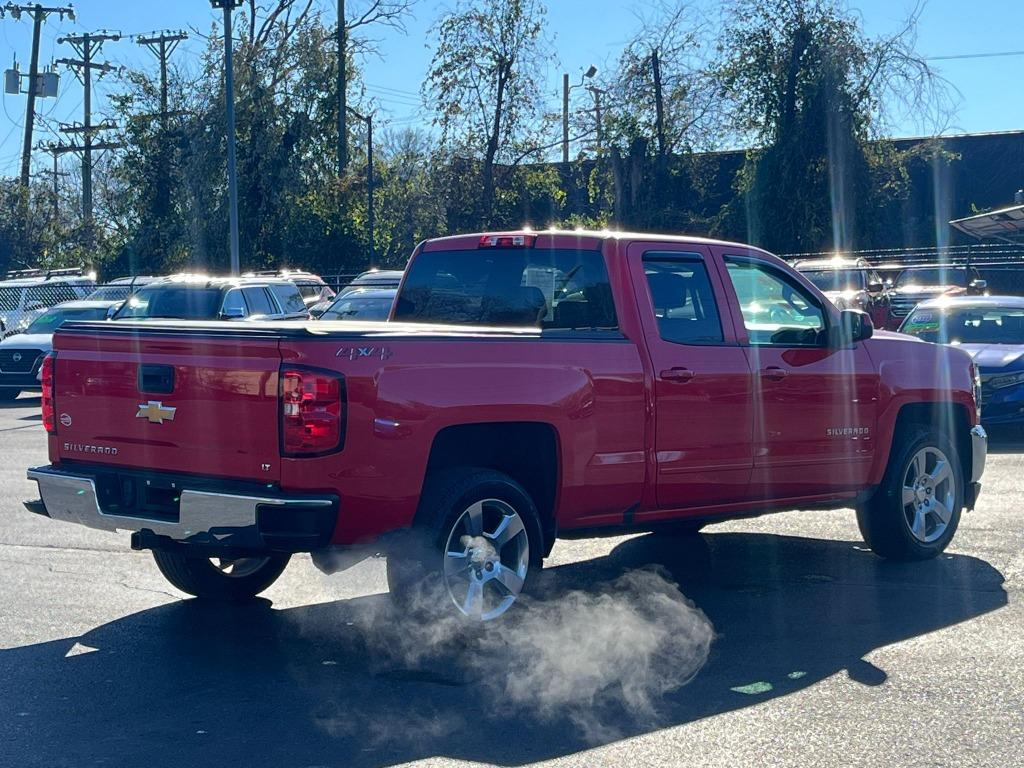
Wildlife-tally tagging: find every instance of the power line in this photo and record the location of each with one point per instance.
(991, 55)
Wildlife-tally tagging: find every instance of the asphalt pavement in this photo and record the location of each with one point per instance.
(785, 643)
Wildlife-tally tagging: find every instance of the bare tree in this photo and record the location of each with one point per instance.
(484, 82)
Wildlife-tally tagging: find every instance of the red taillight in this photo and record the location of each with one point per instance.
(49, 409)
(507, 241)
(312, 412)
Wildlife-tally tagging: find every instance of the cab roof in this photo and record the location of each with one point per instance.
(584, 239)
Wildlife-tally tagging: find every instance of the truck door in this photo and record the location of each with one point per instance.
(703, 419)
(814, 421)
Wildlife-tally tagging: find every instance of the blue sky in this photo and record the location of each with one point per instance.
(585, 32)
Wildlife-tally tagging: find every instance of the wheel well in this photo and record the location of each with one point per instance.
(950, 418)
(525, 451)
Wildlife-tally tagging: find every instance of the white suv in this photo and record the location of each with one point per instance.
(25, 295)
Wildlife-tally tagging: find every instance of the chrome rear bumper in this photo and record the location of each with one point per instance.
(204, 517)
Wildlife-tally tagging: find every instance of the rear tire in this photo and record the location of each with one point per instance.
(473, 548)
(229, 580)
(915, 512)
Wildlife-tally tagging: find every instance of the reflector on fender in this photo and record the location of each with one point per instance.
(507, 241)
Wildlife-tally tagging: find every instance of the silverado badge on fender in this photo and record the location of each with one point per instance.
(156, 412)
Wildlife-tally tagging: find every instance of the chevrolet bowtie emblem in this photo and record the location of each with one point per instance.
(156, 412)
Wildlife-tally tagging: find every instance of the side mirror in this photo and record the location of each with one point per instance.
(977, 286)
(232, 313)
(854, 326)
(875, 287)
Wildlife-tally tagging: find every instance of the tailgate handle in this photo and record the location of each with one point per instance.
(156, 379)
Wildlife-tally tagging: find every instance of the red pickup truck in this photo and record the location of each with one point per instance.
(528, 386)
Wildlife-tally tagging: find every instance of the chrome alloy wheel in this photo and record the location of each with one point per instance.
(929, 494)
(486, 559)
(240, 567)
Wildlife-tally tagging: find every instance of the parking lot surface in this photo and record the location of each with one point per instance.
(814, 651)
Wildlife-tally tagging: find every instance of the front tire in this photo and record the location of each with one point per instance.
(472, 550)
(220, 579)
(915, 512)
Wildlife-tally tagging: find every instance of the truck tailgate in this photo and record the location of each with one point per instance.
(187, 402)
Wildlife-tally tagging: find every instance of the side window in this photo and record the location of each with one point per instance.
(259, 302)
(234, 304)
(776, 311)
(682, 298)
(289, 298)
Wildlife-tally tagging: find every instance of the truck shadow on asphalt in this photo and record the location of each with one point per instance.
(193, 684)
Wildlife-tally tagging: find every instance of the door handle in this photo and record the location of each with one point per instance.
(774, 373)
(681, 375)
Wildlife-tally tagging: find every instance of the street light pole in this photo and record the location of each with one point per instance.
(566, 88)
(342, 88)
(565, 118)
(597, 114)
(229, 97)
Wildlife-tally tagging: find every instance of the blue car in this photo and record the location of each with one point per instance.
(991, 330)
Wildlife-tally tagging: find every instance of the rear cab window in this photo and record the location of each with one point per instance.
(682, 298)
(557, 289)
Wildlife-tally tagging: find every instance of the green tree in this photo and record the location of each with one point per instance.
(810, 89)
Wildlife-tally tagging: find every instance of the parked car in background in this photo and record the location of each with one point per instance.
(991, 330)
(364, 304)
(849, 284)
(375, 278)
(917, 284)
(200, 297)
(120, 289)
(21, 354)
(312, 287)
(26, 294)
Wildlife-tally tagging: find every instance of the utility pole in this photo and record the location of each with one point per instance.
(57, 174)
(39, 14)
(162, 46)
(342, 88)
(370, 220)
(659, 105)
(88, 46)
(228, 7)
